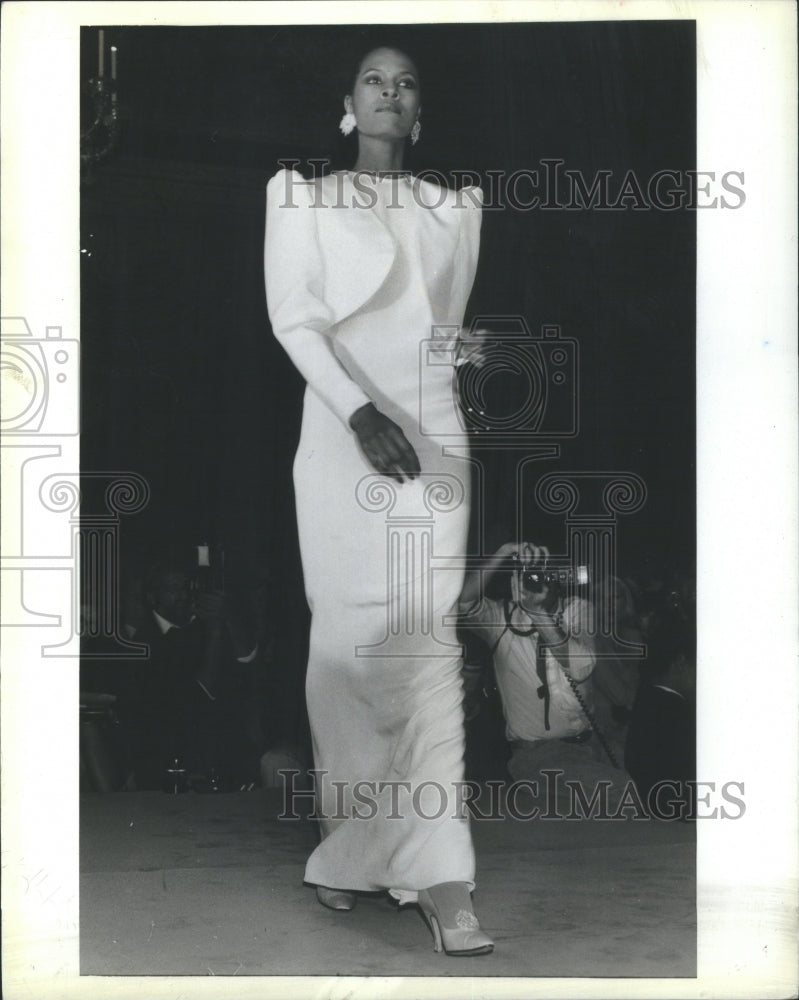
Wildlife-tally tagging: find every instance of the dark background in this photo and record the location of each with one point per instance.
(182, 380)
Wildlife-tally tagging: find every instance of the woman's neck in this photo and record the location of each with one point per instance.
(378, 156)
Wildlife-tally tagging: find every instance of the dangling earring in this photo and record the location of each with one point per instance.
(347, 123)
(416, 131)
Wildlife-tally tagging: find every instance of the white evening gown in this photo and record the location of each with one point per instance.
(356, 279)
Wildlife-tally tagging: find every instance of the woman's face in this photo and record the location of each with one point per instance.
(385, 97)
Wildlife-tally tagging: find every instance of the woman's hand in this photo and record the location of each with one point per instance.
(385, 446)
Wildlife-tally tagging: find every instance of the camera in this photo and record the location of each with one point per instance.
(526, 388)
(537, 579)
(40, 380)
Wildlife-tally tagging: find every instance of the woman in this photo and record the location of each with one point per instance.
(361, 266)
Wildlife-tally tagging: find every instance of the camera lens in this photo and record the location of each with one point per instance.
(534, 582)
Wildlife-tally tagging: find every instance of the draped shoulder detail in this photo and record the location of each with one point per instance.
(337, 233)
(293, 262)
(358, 250)
(301, 308)
(458, 216)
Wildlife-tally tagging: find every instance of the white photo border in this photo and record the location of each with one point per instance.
(746, 472)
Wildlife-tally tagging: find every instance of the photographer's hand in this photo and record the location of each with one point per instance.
(519, 552)
(528, 559)
(383, 443)
(532, 556)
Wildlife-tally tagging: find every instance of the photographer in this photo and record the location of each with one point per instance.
(543, 660)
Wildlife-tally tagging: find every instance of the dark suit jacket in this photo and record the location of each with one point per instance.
(172, 715)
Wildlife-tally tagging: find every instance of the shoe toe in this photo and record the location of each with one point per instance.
(475, 943)
(335, 899)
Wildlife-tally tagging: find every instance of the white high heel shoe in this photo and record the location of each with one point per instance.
(335, 899)
(448, 910)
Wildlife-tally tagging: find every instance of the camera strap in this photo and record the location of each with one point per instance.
(543, 690)
(590, 716)
(541, 670)
(540, 655)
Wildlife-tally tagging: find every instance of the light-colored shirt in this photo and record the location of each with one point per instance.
(518, 681)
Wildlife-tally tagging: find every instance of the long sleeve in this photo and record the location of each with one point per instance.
(293, 270)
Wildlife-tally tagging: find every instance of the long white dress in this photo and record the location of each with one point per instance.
(367, 282)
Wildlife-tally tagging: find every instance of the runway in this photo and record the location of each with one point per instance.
(211, 885)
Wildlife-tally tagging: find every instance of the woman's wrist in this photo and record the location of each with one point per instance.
(359, 416)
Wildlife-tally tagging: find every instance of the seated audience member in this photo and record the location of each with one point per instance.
(617, 672)
(190, 692)
(661, 741)
(543, 661)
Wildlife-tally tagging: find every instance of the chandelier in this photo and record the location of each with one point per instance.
(99, 111)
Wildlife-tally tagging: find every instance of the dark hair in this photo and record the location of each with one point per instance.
(360, 60)
(158, 571)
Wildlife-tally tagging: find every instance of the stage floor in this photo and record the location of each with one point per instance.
(204, 885)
